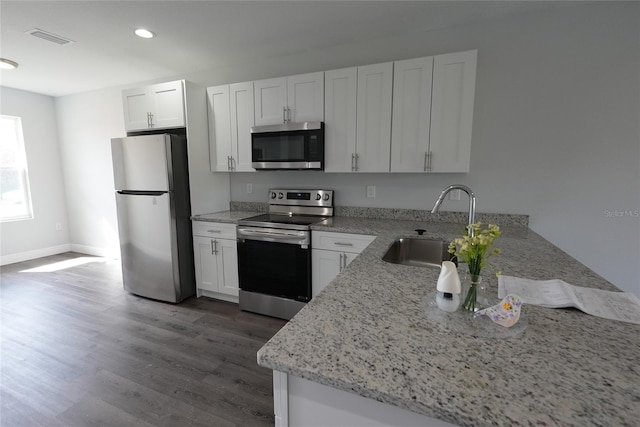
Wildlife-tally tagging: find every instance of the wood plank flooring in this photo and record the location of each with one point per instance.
(77, 350)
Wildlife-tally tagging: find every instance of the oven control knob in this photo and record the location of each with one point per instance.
(273, 195)
(280, 195)
(326, 196)
(318, 197)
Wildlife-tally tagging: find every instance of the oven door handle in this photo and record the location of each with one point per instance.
(292, 237)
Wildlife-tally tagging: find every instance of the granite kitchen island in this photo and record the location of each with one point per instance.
(367, 335)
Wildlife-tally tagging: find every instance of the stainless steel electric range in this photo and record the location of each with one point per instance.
(274, 252)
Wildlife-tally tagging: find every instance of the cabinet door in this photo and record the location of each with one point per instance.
(206, 267)
(270, 101)
(135, 103)
(242, 119)
(325, 266)
(340, 119)
(227, 257)
(167, 105)
(218, 103)
(411, 115)
(454, 80)
(373, 124)
(305, 97)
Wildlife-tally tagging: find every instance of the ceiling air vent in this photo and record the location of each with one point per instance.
(49, 37)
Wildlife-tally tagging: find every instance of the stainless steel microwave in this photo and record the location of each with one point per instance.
(288, 146)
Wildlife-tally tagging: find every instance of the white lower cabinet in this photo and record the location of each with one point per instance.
(331, 252)
(216, 260)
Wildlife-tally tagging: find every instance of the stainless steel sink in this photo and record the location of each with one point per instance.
(418, 252)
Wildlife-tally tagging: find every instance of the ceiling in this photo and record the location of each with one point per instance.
(196, 36)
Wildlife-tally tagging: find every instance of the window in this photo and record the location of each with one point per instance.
(15, 197)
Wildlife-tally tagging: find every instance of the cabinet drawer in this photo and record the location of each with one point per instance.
(214, 229)
(343, 242)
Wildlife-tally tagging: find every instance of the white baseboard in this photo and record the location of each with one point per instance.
(54, 250)
(91, 250)
(37, 253)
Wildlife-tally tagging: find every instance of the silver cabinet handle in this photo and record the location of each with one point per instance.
(228, 163)
(284, 114)
(214, 247)
(288, 114)
(150, 119)
(233, 163)
(354, 162)
(341, 261)
(214, 231)
(343, 244)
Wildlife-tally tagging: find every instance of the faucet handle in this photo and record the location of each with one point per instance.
(420, 231)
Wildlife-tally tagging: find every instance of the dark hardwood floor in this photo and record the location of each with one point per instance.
(77, 350)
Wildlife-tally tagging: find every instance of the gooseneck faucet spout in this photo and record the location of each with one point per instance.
(472, 202)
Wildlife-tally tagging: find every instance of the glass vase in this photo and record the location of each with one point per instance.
(474, 297)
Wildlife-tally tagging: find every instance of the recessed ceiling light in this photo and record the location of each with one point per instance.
(7, 64)
(144, 33)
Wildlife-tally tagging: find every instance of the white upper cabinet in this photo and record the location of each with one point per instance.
(414, 115)
(270, 101)
(230, 120)
(433, 113)
(340, 119)
(454, 82)
(157, 106)
(373, 118)
(297, 98)
(219, 115)
(242, 119)
(305, 97)
(411, 115)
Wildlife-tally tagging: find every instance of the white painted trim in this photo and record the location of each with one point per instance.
(281, 399)
(92, 250)
(37, 253)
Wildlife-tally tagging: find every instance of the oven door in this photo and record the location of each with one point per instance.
(281, 269)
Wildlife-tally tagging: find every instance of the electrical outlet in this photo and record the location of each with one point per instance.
(371, 191)
(249, 188)
(58, 226)
(454, 195)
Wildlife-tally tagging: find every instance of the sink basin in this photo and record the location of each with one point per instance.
(418, 252)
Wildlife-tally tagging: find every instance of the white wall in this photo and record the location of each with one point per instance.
(32, 238)
(555, 132)
(86, 124)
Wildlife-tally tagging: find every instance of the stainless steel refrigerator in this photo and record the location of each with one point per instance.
(151, 178)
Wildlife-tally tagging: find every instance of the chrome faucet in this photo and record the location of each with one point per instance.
(472, 202)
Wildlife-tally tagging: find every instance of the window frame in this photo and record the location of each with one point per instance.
(22, 168)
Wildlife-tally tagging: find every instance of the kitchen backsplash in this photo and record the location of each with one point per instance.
(403, 214)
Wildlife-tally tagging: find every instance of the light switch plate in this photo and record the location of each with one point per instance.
(249, 188)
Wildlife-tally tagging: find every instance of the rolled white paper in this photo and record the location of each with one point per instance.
(449, 281)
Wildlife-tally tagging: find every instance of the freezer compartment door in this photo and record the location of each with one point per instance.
(148, 246)
(142, 163)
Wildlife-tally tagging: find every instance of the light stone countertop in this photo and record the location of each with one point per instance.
(367, 333)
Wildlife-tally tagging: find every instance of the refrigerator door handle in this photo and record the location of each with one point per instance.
(142, 193)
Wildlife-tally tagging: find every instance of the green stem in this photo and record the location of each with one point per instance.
(469, 303)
